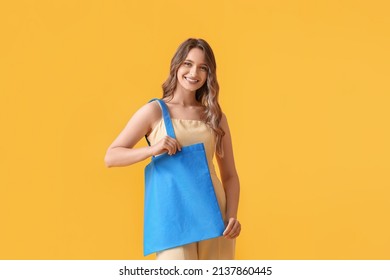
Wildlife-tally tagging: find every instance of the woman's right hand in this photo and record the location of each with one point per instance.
(166, 144)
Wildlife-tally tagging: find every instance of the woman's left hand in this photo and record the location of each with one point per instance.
(233, 229)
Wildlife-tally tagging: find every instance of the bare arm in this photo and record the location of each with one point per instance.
(230, 182)
(121, 151)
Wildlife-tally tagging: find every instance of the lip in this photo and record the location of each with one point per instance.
(191, 79)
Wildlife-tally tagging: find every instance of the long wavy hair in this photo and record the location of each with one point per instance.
(207, 95)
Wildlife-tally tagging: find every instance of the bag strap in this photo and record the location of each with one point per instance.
(167, 119)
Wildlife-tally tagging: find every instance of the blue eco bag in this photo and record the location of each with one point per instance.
(180, 202)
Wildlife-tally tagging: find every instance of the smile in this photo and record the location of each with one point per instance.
(191, 80)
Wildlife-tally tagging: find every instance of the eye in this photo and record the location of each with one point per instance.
(187, 63)
(204, 68)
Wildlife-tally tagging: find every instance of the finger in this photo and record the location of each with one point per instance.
(235, 231)
(227, 229)
(166, 146)
(232, 232)
(235, 235)
(229, 226)
(178, 146)
(236, 226)
(173, 148)
(174, 145)
(169, 145)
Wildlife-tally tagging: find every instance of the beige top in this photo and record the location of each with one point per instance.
(190, 132)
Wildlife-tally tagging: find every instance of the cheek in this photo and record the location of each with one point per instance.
(180, 71)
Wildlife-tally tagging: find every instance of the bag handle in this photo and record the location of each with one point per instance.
(167, 119)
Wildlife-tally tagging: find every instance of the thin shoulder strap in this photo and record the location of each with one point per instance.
(167, 119)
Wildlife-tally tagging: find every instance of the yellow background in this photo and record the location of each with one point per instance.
(305, 86)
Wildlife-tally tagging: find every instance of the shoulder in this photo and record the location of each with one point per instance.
(150, 110)
(147, 116)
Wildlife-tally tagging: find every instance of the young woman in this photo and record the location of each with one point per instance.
(191, 95)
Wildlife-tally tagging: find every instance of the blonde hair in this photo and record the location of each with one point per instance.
(207, 95)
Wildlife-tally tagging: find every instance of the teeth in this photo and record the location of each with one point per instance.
(191, 80)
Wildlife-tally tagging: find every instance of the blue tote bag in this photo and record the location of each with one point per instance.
(180, 202)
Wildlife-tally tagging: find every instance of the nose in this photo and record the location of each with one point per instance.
(193, 71)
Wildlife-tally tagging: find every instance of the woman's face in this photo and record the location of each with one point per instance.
(192, 73)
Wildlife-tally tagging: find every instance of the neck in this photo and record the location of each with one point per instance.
(184, 97)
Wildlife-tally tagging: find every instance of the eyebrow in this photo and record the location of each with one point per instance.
(193, 62)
